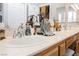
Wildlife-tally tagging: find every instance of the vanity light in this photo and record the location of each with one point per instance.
(76, 6)
(73, 7)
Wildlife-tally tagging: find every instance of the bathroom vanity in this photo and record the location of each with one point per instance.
(39, 45)
(60, 48)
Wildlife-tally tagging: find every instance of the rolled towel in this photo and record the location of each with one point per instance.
(69, 52)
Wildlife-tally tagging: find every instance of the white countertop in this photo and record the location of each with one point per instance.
(2, 26)
(31, 45)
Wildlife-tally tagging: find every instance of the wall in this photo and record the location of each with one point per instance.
(33, 9)
(14, 14)
(1, 13)
(78, 16)
(53, 10)
(5, 14)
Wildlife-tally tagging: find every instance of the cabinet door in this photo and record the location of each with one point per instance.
(53, 52)
(69, 41)
(62, 49)
(77, 36)
(2, 34)
(77, 47)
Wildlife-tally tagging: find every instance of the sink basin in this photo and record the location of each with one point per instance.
(27, 41)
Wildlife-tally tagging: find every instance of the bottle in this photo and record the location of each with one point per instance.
(32, 31)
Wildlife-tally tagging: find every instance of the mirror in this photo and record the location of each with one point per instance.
(37, 12)
(71, 14)
(33, 14)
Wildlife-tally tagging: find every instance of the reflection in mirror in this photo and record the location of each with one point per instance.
(33, 14)
(61, 14)
(67, 15)
(37, 13)
(71, 13)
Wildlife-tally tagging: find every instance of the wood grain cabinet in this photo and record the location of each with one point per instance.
(77, 36)
(62, 49)
(52, 51)
(2, 34)
(77, 47)
(70, 40)
(77, 44)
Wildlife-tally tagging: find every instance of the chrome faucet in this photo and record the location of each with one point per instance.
(19, 32)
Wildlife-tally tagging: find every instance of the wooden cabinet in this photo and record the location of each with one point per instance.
(62, 49)
(77, 47)
(70, 40)
(77, 36)
(52, 51)
(2, 34)
(77, 44)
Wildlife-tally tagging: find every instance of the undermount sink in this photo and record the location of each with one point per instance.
(27, 41)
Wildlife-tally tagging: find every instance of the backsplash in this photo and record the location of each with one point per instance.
(70, 25)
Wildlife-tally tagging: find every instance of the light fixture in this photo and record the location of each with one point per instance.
(76, 6)
(73, 6)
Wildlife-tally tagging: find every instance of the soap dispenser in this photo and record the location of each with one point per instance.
(28, 29)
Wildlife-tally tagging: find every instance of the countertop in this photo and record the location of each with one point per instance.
(31, 45)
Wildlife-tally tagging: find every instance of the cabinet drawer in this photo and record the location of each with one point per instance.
(77, 47)
(53, 52)
(77, 36)
(62, 49)
(69, 42)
